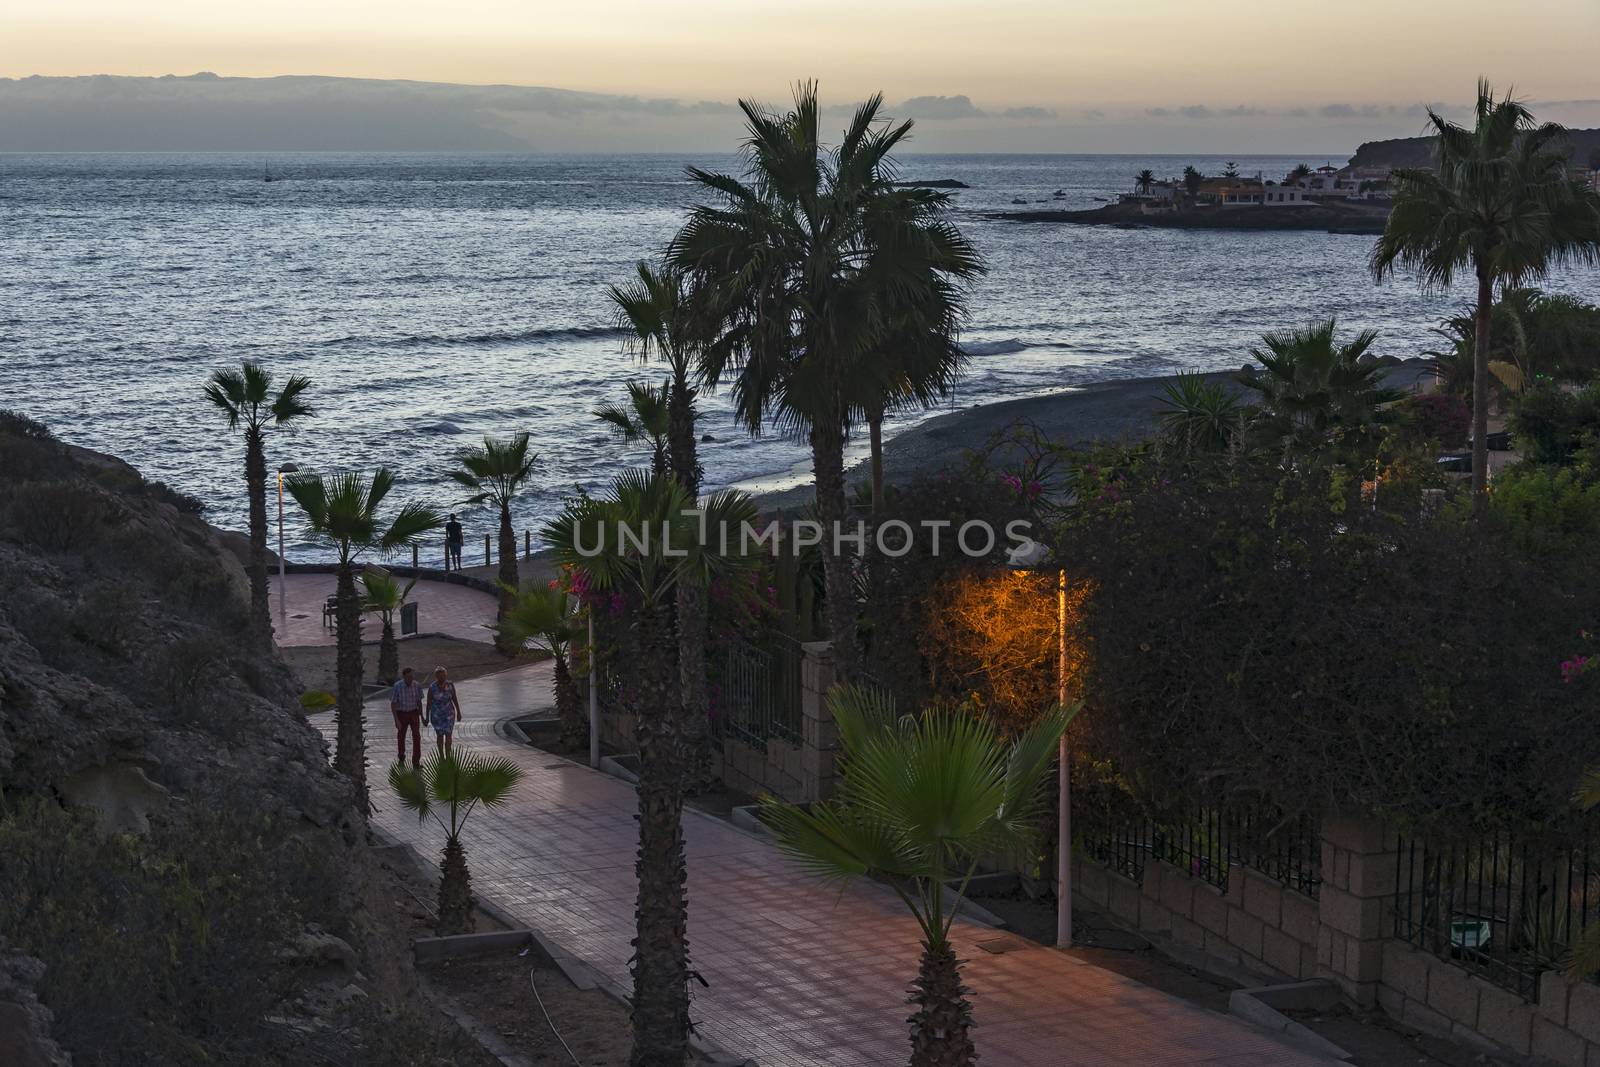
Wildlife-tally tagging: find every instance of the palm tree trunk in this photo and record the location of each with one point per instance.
(255, 477)
(508, 577)
(681, 447)
(684, 462)
(1480, 385)
(941, 1027)
(388, 653)
(350, 750)
(569, 706)
(455, 891)
(827, 463)
(661, 945)
(875, 435)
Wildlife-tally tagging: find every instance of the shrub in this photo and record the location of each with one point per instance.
(61, 517)
(1270, 636)
(1551, 424)
(15, 422)
(1437, 417)
(1547, 510)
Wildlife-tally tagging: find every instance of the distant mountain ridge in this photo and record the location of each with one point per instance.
(1418, 151)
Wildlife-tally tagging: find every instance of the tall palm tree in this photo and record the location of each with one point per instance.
(343, 512)
(645, 567)
(664, 319)
(494, 472)
(245, 396)
(645, 418)
(1144, 180)
(456, 784)
(923, 799)
(543, 616)
(1192, 180)
(1502, 203)
(807, 260)
(1314, 391)
(383, 593)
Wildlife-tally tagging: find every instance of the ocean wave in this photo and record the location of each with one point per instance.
(994, 348)
(493, 337)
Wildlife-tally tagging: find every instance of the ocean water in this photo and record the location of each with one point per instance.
(433, 299)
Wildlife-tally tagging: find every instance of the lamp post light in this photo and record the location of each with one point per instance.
(1033, 557)
(283, 589)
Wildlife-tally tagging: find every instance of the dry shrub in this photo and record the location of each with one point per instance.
(61, 517)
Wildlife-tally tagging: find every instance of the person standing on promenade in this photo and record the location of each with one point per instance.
(453, 542)
(444, 709)
(405, 700)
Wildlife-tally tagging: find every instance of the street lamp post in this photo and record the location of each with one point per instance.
(1033, 556)
(283, 590)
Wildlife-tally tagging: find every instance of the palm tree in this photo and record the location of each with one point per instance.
(1144, 180)
(384, 595)
(245, 396)
(663, 319)
(1314, 391)
(457, 783)
(343, 513)
(645, 418)
(923, 799)
(494, 472)
(1300, 172)
(1192, 180)
(643, 564)
(544, 617)
(1502, 203)
(808, 260)
(1200, 415)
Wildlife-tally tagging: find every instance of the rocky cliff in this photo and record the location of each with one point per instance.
(184, 880)
(1418, 151)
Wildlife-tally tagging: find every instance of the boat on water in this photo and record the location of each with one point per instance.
(266, 174)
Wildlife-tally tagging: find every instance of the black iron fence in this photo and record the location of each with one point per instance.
(757, 691)
(1505, 906)
(1203, 841)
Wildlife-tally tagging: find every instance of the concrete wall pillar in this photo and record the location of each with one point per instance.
(1359, 873)
(819, 735)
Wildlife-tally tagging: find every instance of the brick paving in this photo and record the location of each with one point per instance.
(801, 974)
(442, 608)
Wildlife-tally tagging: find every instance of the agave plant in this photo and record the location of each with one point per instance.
(450, 788)
(923, 798)
(544, 617)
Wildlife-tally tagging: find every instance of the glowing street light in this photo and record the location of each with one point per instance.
(1032, 556)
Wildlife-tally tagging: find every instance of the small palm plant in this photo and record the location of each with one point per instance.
(495, 472)
(545, 617)
(645, 418)
(343, 513)
(245, 396)
(383, 593)
(1200, 415)
(922, 799)
(450, 788)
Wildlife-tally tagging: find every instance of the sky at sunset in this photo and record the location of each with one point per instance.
(998, 75)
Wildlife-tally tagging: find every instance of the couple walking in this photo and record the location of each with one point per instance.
(444, 711)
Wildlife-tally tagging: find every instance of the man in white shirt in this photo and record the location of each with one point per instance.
(405, 701)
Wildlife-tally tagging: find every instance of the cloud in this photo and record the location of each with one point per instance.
(942, 107)
(1195, 111)
(1029, 113)
(1094, 114)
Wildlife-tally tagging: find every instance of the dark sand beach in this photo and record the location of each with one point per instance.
(1111, 411)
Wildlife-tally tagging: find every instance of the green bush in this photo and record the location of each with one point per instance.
(1551, 424)
(1548, 510)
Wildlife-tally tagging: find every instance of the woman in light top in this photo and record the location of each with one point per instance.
(444, 709)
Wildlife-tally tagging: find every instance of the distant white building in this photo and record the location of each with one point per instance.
(1275, 195)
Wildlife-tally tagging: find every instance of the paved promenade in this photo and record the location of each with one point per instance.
(442, 607)
(801, 975)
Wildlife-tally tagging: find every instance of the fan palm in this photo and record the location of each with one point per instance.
(245, 396)
(494, 472)
(1144, 180)
(923, 798)
(1315, 392)
(807, 261)
(645, 418)
(383, 593)
(1501, 202)
(642, 540)
(450, 788)
(343, 512)
(544, 617)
